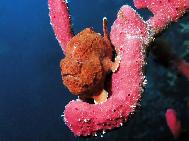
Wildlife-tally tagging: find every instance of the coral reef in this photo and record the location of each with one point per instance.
(130, 35)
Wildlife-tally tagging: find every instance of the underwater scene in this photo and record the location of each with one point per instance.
(129, 80)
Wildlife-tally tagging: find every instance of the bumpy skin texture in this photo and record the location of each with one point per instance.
(86, 63)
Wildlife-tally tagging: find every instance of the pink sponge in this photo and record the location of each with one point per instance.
(128, 35)
(60, 21)
(165, 11)
(173, 123)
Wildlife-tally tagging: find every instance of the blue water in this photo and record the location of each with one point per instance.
(32, 97)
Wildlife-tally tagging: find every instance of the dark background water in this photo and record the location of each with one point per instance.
(32, 97)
